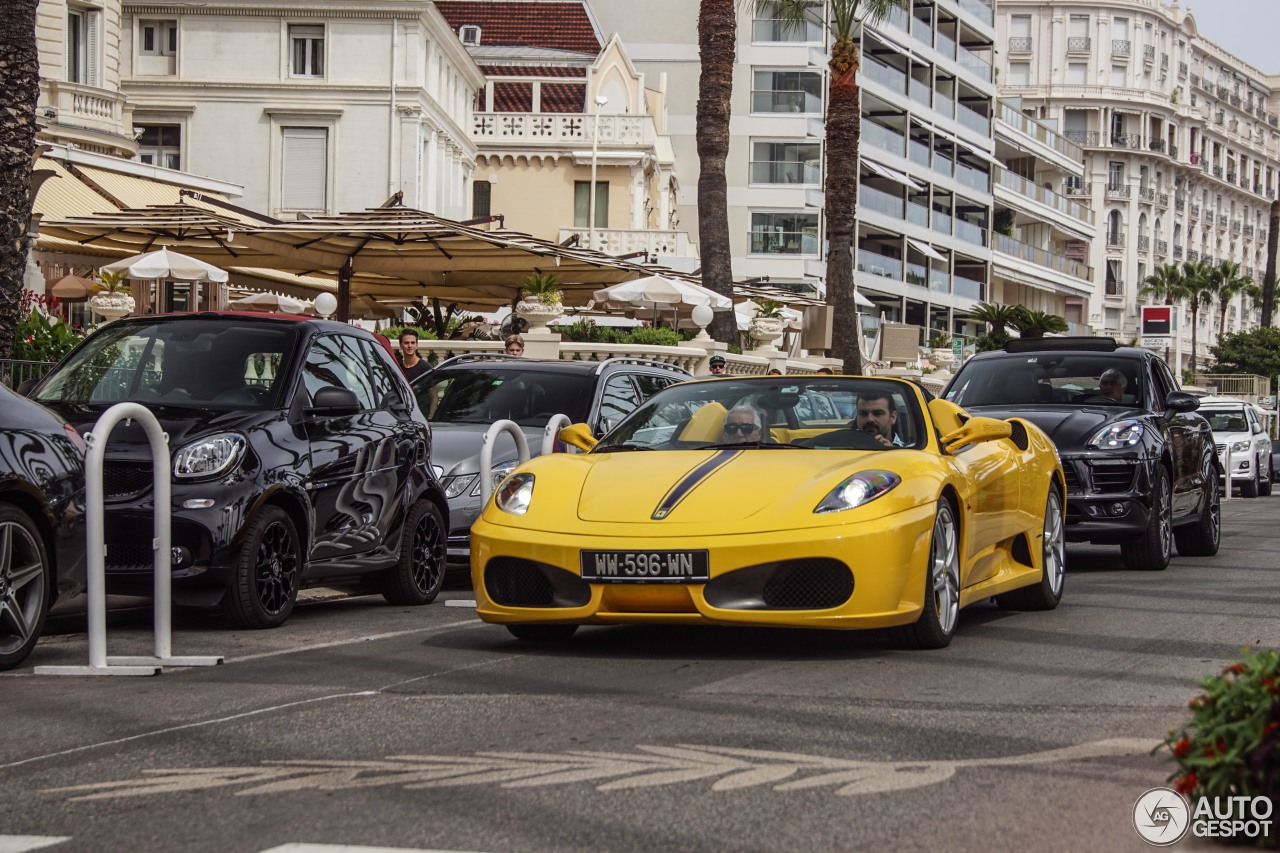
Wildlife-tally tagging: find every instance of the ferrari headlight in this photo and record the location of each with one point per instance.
(1239, 447)
(458, 485)
(209, 457)
(1116, 436)
(515, 494)
(860, 489)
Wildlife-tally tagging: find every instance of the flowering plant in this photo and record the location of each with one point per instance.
(40, 334)
(1231, 745)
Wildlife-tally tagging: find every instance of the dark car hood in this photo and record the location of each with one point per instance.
(456, 447)
(1068, 426)
(182, 424)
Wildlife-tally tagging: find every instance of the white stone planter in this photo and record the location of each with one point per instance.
(111, 306)
(765, 330)
(942, 357)
(537, 313)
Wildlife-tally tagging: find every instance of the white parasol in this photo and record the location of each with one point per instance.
(163, 263)
(657, 291)
(274, 302)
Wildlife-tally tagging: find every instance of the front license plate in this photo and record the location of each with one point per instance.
(645, 566)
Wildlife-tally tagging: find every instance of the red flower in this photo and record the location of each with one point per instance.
(1197, 703)
(1186, 784)
(1208, 751)
(1182, 747)
(1234, 669)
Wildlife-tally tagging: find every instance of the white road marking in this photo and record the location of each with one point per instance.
(468, 623)
(346, 848)
(461, 602)
(23, 843)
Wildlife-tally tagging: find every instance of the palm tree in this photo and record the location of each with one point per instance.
(717, 47)
(1035, 324)
(1199, 289)
(19, 92)
(844, 129)
(995, 316)
(1165, 282)
(1227, 285)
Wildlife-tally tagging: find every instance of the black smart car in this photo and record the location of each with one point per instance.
(42, 554)
(1139, 461)
(299, 458)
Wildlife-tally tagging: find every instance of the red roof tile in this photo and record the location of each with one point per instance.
(563, 98)
(513, 97)
(531, 71)
(518, 23)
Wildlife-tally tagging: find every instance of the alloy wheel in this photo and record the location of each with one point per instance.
(1055, 549)
(22, 586)
(944, 569)
(276, 568)
(428, 553)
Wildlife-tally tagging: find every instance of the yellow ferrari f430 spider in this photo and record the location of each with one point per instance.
(801, 501)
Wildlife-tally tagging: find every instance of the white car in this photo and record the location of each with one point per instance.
(1239, 430)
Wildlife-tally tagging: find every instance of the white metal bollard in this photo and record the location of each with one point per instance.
(486, 454)
(552, 430)
(95, 556)
(1226, 466)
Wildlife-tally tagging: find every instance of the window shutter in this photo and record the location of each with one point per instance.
(481, 194)
(91, 73)
(305, 173)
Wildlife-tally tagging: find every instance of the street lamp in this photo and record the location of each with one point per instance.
(601, 100)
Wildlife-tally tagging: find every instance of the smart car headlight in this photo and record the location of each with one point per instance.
(209, 457)
(858, 490)
(515, 494)
(1117, 436)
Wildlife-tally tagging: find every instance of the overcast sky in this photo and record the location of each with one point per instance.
(1248, 28)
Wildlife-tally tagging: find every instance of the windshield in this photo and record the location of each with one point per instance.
(484, 395)
(1227, 420)
(1049, 378)
(819, 412)
(191, 363)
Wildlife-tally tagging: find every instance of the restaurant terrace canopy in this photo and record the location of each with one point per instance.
(390, 252)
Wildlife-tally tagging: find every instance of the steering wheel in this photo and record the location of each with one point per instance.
(843, 439)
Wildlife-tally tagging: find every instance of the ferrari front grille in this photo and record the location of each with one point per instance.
(814, 583)
(515, 582)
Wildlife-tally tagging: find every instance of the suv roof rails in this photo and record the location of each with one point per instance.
(644, 362)
(478, 356)
(1055, 344)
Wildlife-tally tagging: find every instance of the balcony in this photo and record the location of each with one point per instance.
(1164, 62)
(1177, 253)
(561, 129)
(880, 265)
(1236, 227)
(1030, 189)
(1162, 247)
(1217, 171)
(1085, 138)
(1020, 44)
(1038, 132)
(87, 115)
(1173, 151)
(974, 120)
(1117, 191)
(1224, 93)
(1182, 69)
(624, 241)
(1180, 201)
(1231, 176)
(1248, 231)
(1041, 258)
(980, 10)
(1162, 199)
(1147, 194)
(1193, 255)
(1127, 140)
(1121, 47)
(1222, 221)
(1195, 211)
(1072, 188)
(1115, 239)
(974, 64)
(1079, 44)
(1144, 243)
(1156, 145)
(1114, 288)
(1149, 53)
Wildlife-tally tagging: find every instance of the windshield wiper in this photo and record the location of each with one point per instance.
(619, 448)
(771, 445)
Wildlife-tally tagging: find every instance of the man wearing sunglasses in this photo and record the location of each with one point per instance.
(876, 417)
(742, 425)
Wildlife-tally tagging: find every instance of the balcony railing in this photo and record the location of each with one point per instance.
(1222, 221)
(1149, 53)
(890, 78)
(785, 101)
(1038, 131)
(1156, 145)
(1020, 44)
(1144, 243)
(1126, 140)
(560, 128)
(1177, 253)
(1085, 138)
(1115, 238)
(87, 107)
(1072, 188)
(881, 265)
(785, 172)
(880, 201)
(974, 64)
(1193, 255)
(1182, 69)
(1079, 44)
(1248, 231)
(974, 120)
(1121, 46)
(980, 10)
(1195, 211)
(1041, 258)
(1147, 193)
(1115, 287)
(1021, 185)
(970, 233)
(624, 241)
(1117, 191)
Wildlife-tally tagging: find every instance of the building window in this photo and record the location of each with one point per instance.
(1077, 73)
(481, 198)
(1115, 176)
(784, 233)
(766, 28)
(160, 145)
(304, 177)
(158, 38)
(786, 92)
(786, 163)
(582, 204)
(470, 35)
(306, 50)
(1019, 73)
(82, 46)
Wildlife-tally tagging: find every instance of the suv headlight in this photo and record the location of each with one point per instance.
(515, 494)
(209, 457)
(1239, 447)
(860, 489)
(1116, 436)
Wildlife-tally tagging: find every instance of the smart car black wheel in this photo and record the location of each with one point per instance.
(1151, 551)
(1048, 592)
(542, 632)
(268, 570)
(418, 576)
(1202, 538)
(24, 586)
(937, 623)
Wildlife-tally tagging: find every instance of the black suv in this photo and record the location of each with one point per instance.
(299, 458)
(464, 396)
(1139, 461)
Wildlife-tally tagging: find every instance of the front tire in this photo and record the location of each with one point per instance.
(418, 577)
(937, 623)
(1151, 551)
(25, 586)
(268, 569)
(1251, 487)
(1048, 592)
(1202, 538)
(542, 633)
(1264, 487)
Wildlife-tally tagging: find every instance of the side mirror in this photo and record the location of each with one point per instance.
(1180, 402)
(603, 427)
(579, 436)
(26, 386)
(334, 402)
(975, 431)
(1257, 428)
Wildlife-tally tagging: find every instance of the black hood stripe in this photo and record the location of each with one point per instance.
(690, 481)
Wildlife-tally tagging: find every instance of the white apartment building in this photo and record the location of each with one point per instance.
(928, 148)
(1181, 140)
(315, 107)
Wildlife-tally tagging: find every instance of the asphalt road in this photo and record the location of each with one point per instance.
(363, 724)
